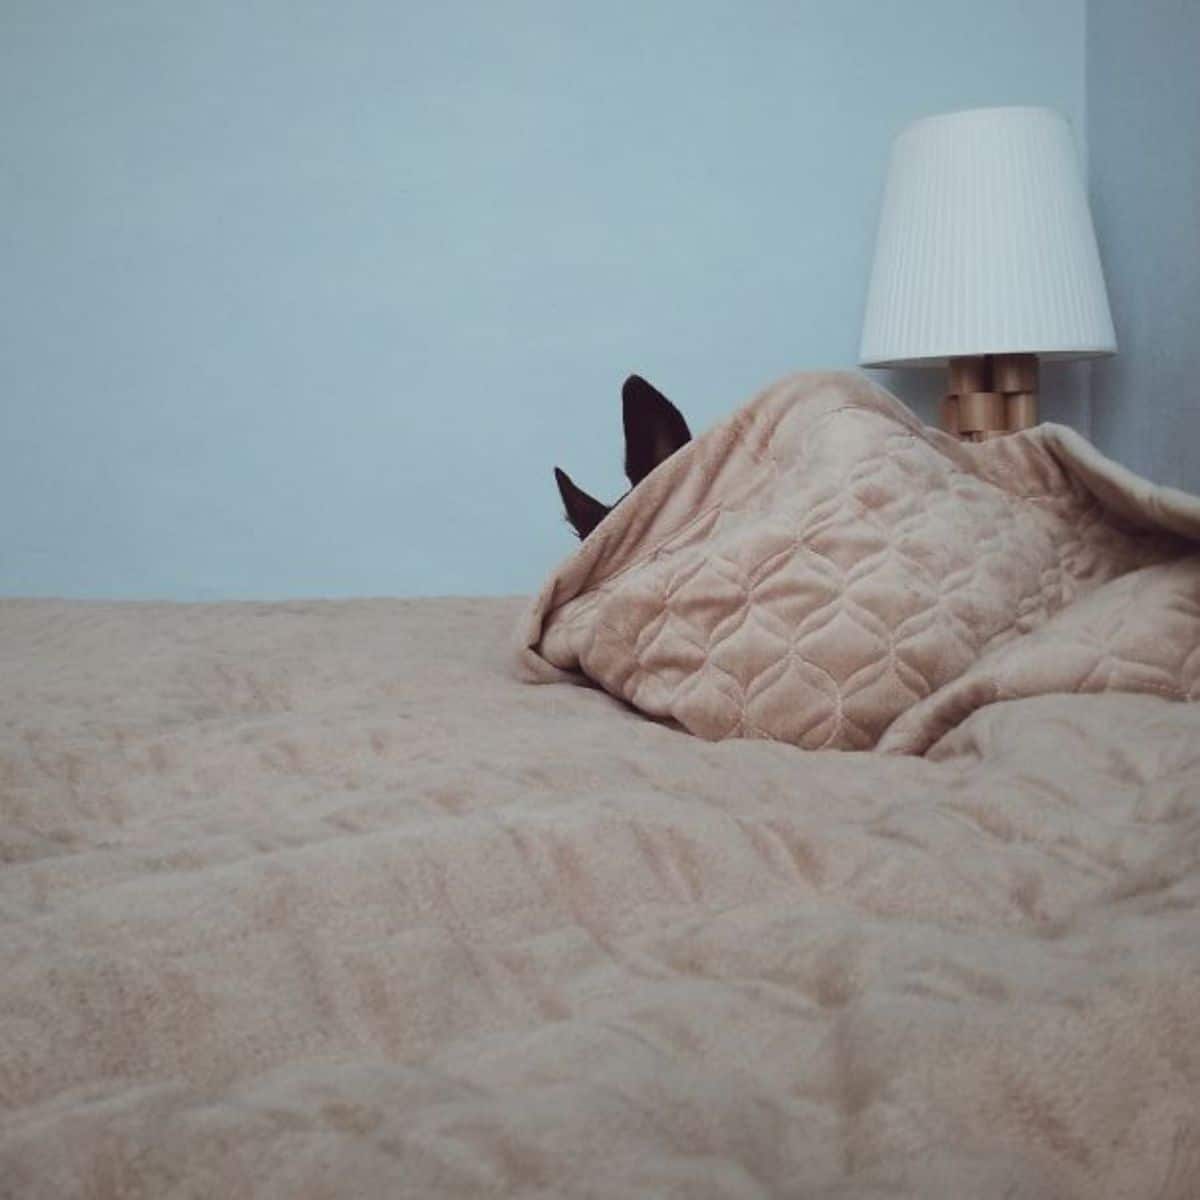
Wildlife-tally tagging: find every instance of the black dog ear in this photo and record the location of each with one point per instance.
(583, 512)
(654, 428)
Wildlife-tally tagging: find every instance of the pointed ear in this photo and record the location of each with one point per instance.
(654, 428)
(583, 512)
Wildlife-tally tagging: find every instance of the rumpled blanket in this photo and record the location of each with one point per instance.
(315, 901)
(821, 569)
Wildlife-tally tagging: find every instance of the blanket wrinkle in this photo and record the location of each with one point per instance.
(822, 570)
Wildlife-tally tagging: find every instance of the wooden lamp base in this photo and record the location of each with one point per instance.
(990, 395)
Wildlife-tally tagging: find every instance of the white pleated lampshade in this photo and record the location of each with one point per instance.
(985, 244)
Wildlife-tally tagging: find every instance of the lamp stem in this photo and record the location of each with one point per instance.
(990, 395)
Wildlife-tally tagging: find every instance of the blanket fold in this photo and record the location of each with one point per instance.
(821, 569)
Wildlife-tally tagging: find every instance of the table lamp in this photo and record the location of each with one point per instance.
(986, 262)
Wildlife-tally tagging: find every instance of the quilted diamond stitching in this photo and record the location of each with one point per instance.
(858, 571)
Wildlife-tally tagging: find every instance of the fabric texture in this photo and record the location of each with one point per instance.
(821, 569)
(314, 901)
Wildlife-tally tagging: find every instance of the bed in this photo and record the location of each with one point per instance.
(319, 899)
(315, 899)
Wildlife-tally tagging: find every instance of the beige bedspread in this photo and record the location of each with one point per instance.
(315, 900)
(821, 569)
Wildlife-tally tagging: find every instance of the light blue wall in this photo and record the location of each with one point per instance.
(307, 298)
(1143, 82)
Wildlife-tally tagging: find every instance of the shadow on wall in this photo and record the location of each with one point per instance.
(1144, 167)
